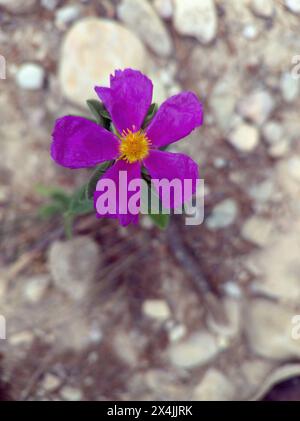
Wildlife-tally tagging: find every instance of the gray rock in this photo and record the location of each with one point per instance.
(35, 288)
(85, 63)
(73, 265)
(196, 18)
(223, 215)
(67, 14)
(140, 16)
(30, 76)
(272, 132)
(69, 393)
(164, 8)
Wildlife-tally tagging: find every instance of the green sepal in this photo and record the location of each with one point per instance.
(150, 114)
(95, 177)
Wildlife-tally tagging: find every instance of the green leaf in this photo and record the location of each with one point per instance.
(80, 204)
(160, 220)
(48, 211)
(95, 177)
(150, 114)
(100, 112)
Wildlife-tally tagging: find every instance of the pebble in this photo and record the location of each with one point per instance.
(69, 393)
(177, 332)
(85, 63)
(164, 8)
(196, 18)
(156, 309)
(272, 132)
(294, 167)
(290, 87)
(21, 338)
(256, 107)
(223, 215)
(51, 382)
(293, 5)
(269, 330)
(257, 231)
(263, 8)
(140, 16)
(214, 386)
(244, 137)
(263, 191)
(73, 265)
(280, 149)
(196, 351)
(35, 288)
(232, 289)
(49, 4)
(66, 15)
(30, 76)
(250, 32)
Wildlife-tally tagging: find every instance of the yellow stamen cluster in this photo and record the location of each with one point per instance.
(134, 146)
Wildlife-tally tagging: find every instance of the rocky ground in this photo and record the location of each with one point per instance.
(191, 313)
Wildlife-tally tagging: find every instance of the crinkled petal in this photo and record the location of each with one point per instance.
(80, 143)
(128, 99)
(177, 117)
(121, 182)
(173, 166)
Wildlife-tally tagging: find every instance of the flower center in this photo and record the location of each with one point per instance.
(134, 146)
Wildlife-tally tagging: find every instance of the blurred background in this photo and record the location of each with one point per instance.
(201, 313)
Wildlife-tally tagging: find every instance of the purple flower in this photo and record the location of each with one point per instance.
(80, 143)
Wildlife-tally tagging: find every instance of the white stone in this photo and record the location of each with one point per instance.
(263, 191)
(290, 87)
(244, 137)
(294, 167)
(269, 330)
(21, 338)
(223, 215)
(140, 17)
(73, 265)
(66, 15)
(35, 288)
(198, 350)
(30, 76)
(263, 8)
(49, 4)
(69, 393)
(85, 63)
(177, 332)
(164, 8)
(257, 230)
(256, 107)
(232, 289)
(272, 132)
(250, 32)
(280, 149)
(196, 18)
(293, 5)
(156, 309)
(51, 382)
(214, 387)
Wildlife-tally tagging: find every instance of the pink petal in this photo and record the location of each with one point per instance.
(177, 117)
(128, 98)
(80, 143)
